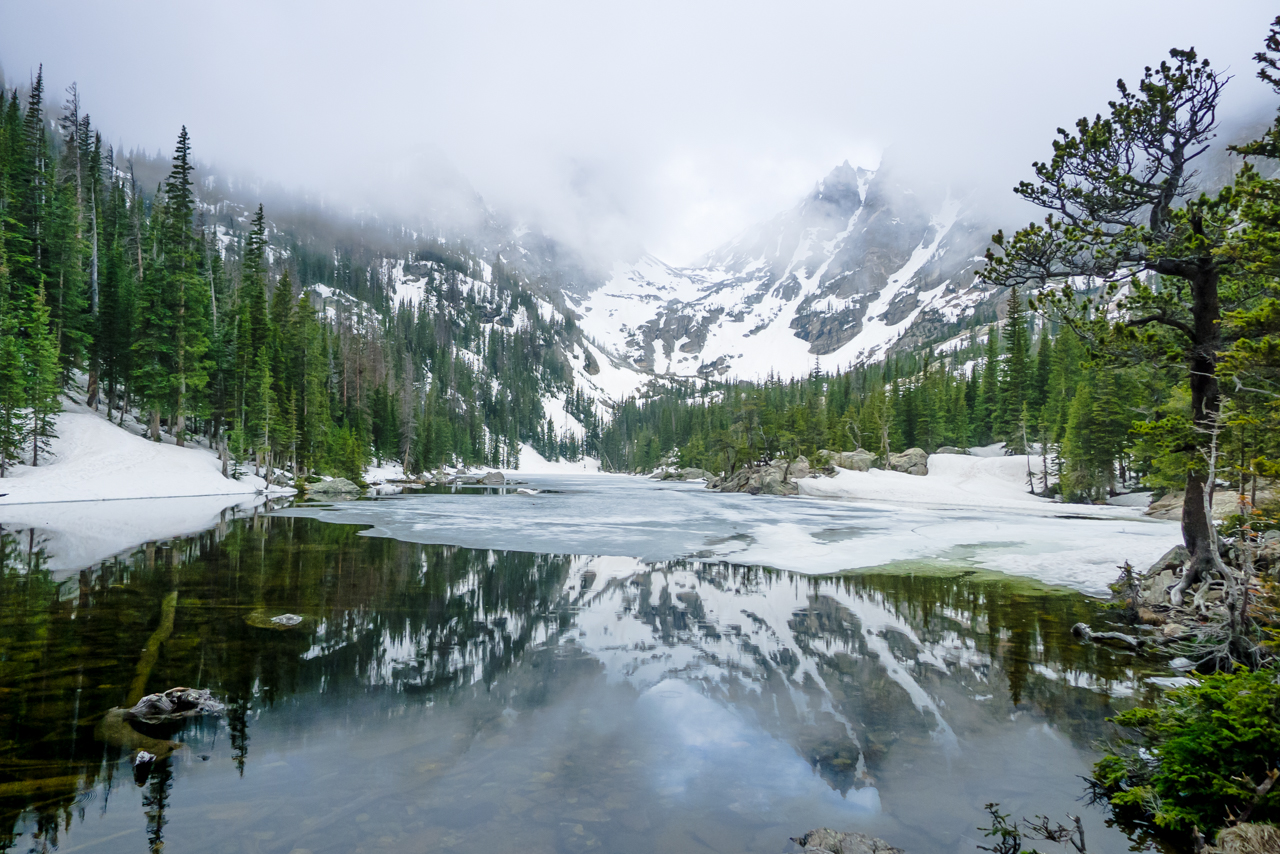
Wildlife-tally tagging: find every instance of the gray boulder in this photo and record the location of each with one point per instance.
(776, 478)
(337, 487)
(858, 460)
(798, 469)
(824, 840)
(494, 478)
(948, 449)
(911, 461)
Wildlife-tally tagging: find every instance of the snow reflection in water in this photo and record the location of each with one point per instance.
(439, 697)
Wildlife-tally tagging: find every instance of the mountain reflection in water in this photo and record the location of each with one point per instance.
(438, 697)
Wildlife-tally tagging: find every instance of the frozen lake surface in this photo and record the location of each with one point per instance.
(1075, 545)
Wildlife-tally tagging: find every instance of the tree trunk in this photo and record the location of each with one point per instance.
(1203, 363)
(155, 425)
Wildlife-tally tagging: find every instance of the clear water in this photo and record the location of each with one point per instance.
(461, 697)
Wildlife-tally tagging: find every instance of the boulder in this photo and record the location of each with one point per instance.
(174, 704)
(1226, 502)
(776, 478)
(688, 473)
(493, 478)
(858, 460)
(337, 487)
(798, 469)
(911, 461)
(824, 840)
(1153, 585)
(948, 449)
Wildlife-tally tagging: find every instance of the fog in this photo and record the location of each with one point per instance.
(668, 125)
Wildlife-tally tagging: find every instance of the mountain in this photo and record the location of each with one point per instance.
(864, 265)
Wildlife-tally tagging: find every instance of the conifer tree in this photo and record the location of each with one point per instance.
(988, 390)
(43, 381)
(1014, 371)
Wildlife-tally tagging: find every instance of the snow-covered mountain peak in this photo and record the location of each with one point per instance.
(865, 263)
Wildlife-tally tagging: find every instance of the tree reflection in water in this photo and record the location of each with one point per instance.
(842, 669)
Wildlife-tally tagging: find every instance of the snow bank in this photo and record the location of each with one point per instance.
(531, 462)
(375, 475)
(94, 460)
(954, 480)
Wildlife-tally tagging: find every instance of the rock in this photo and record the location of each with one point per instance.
(1174, 559)
(772, 479)
(798, 469)
(824, 840)
(858, 460)
(493, 478)
(911, 461)
(688, 473)
(1226, 502)
(1173, 630)
(174, 704)
(947, 449)
(143, 762)
(287, 620)
(336, 488)
(1181, 663)
(1148, 617)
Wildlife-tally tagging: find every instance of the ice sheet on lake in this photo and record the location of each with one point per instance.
(633, 517)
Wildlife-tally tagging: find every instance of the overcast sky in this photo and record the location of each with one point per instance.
(671, 125)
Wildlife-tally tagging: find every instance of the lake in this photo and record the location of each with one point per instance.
(608, 665)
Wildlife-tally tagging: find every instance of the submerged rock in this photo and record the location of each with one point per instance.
(260, 620)
(174, 704)
(911, 461)
(824, 840)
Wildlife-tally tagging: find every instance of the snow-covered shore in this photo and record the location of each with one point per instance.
(953, 480)
(95, 460)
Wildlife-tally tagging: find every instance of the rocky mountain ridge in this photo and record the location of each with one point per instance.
(863, 265)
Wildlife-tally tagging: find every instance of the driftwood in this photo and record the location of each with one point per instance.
(1113, 639)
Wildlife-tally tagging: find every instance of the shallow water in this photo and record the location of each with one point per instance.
(441, 697)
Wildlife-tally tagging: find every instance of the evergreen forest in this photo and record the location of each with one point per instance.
(191, 317)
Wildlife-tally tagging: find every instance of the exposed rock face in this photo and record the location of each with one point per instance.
(336, 488)
(911, 461)
(863, 265)
(824, 840)
(776, 478)
(948, 449)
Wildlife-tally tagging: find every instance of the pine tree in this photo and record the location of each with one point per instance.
(12, 375)
(43, 381)
(988, 391)
(1014, 373)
